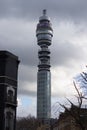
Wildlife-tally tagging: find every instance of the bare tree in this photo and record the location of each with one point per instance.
(76, 110)
(27, 123)
(82, 81)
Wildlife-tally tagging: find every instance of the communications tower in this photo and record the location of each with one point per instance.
(44, 34)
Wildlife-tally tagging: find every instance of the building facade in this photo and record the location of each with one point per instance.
(44, 34)
(8, 90)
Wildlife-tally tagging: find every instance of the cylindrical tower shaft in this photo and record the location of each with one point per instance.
(44, 35)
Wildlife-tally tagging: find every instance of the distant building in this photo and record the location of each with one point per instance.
(44, 35)
(8, 90)
(67, 122)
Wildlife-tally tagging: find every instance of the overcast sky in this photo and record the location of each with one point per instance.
(18, 20)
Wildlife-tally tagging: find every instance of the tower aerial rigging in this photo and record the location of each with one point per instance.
(44, 34)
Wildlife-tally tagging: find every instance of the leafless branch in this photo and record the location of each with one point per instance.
(84, 76)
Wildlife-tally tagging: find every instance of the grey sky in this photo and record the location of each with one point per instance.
(28, 9)
(18, 20)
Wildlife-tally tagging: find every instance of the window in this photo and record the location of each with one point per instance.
(9, 119)
(10, 94)
(44, 36)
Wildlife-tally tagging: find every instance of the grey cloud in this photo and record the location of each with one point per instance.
(64, 53)
(27, 87)
(27, 93)
(27, 55)
(27, 73)
(20, 40)
(75, 9)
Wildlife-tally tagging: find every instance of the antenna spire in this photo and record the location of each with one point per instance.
(44, 12)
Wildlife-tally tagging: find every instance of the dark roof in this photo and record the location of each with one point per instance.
(4, 53)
